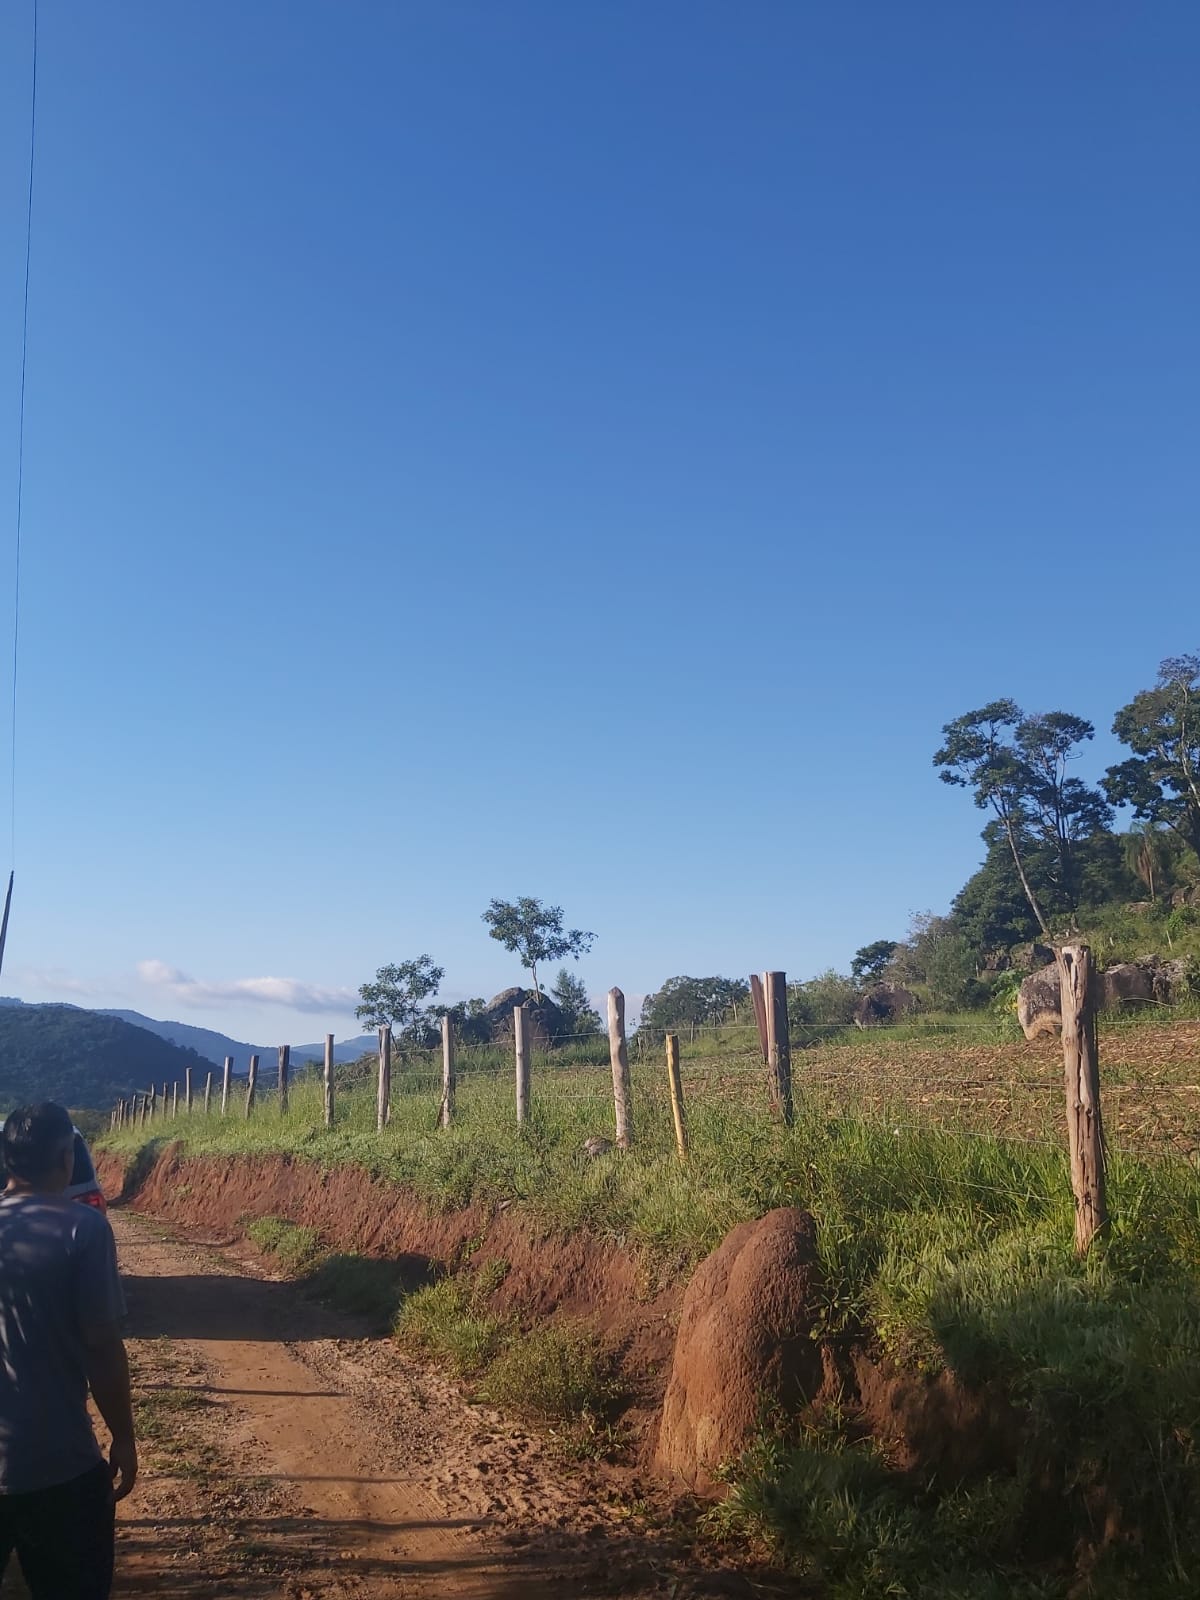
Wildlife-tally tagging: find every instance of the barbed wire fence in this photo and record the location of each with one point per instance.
(646, 1090)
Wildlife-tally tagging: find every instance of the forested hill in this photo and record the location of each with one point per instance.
(83, 1059)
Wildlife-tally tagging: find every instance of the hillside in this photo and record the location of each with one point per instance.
(215, 1046)
(82, 1058)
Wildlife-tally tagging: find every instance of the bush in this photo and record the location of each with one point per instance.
(557, 1372)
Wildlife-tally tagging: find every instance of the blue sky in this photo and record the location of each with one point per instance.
(584, 451)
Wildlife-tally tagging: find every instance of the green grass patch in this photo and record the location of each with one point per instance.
(555, 1372)
(449, 1321)
(296, 1248)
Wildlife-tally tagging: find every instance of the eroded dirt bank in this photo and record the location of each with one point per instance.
(354, 1213)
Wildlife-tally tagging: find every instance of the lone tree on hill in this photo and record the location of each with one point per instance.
(396, 999)
(1161, 779)
(534, 933)
(1017, 765)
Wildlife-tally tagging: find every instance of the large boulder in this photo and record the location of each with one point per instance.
(883, 1004)
(1127, 983)
(744, 1343)
(1039, 1003)
(545, 1018)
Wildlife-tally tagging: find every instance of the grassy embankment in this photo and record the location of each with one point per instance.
(955, 1250)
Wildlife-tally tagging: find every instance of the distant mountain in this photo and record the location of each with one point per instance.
(214, 1046)
(83, 1058)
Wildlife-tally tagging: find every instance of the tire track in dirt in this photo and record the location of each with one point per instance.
(364, 1475)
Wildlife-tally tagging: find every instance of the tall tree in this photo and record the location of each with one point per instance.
(694, 1000)
(396, 999)
(534, 932)
(1016, 766)
(1161, 779)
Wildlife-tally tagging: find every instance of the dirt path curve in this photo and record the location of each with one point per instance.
(335, 1466)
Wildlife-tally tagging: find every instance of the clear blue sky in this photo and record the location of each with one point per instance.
(580, 450)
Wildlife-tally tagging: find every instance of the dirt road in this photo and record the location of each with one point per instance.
(286, 1456)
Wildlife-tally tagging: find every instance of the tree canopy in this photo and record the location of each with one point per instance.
(870, 962)
(694, 1001)
(396, 999)
(1161, 779)
(580, 1017)
(534, 932)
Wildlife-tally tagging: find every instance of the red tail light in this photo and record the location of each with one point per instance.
(95, 1199)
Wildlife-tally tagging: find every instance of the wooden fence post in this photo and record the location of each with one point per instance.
(329, 1080)
(251, 1084)
(226, 1079)
(1081, 1071)
(779, 1048)
(618, 1053)
(164, 1103)
(676, 1086)
(760, 1015)
(383, 1102)
(208, 1094)
(285, 1058)
(521, 1049)
(187, 1089)
(175, 1098)
(153, 1102)
(448, 1083)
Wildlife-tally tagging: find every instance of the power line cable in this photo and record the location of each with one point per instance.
(16, 628)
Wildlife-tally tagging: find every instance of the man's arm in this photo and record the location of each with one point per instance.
(108, 1379)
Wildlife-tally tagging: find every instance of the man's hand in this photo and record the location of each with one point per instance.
(123, 1466)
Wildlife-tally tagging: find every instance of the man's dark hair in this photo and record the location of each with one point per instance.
(33, 1139)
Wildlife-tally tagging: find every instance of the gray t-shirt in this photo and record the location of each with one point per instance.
(58, 1276)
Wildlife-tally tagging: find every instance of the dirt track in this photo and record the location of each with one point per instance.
(287, 1457)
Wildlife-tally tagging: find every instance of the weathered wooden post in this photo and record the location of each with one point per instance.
(329, 1080)
(153, 1102)
(285, 1058)
(521, 1050)
(448, 1083)
(208, 1095)
(779, 1047)
(760, 1015)
(164, 1103)
(175, 1098)
(1081, 1071)
(251, 1084)
(676, 1086)
(383, 1101)
(618, 1053)
(187, 1089)
(226, 1081)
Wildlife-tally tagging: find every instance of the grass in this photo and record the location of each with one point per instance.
(950, 1250)
(296, 1248)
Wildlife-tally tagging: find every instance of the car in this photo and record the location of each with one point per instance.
(84, 1185)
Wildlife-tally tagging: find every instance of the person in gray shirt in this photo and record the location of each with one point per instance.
(60, 1312)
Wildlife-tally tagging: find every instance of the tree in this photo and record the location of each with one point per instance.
(1017, 765)
(534, 932)
(470, 1021)
(829, 999)
(570, 995)
(1161, 780)
(395, 999)
(694, 1001)
(869, 962)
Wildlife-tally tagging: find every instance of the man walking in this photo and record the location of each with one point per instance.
(60, 1311)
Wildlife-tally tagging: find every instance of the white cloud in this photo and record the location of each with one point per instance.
(287, 992)
(56, 981)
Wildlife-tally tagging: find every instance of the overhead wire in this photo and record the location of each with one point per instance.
(16, 625)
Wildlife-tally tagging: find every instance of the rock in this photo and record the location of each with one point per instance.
(1039, 1003)
(744, 1344)
(1129, 982)
(1174, 981)
(883, 1004)
(1031, 957)
(545, 1018)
